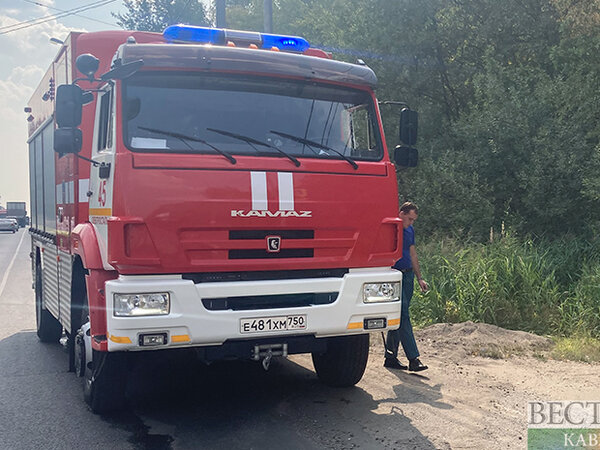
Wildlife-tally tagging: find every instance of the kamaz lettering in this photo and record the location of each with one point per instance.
(254, 213)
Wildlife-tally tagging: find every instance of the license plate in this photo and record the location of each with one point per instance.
(278, 323)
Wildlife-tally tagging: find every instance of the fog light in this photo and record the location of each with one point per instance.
(150, 340)
(374, 324)
(381, 292)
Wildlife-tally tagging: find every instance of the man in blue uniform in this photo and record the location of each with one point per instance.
(409, 266)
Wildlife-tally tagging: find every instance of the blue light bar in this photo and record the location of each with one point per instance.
(287, 43)
(190, 33)
(219, 36)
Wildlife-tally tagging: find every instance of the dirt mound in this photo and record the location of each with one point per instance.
(481, 339)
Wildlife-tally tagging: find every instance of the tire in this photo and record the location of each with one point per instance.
(105, 381)
(344, 362)
(48, 327)
(79, 313)
(104, 374)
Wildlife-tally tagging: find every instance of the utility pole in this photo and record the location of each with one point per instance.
(220, 7)
(268, 15)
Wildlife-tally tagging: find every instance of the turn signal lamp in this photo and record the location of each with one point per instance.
(221, 36)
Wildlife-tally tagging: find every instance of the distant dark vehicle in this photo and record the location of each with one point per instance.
(17, 210)
(9, 225)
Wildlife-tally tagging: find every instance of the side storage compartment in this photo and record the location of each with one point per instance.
(48, 327)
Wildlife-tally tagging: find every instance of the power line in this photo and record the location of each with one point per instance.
(75, 14)
(48, 18)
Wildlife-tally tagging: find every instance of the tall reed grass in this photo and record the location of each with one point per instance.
(547, 287)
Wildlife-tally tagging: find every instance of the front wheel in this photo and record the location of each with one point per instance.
(104, 374)
(344, 362)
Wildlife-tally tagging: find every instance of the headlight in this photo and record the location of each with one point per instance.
(381, 292)
(156, 304)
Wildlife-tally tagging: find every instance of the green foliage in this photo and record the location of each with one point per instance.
(156, 15)
(547, 287)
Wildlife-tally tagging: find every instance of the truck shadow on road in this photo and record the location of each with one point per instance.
(238, 405)
(177, 402)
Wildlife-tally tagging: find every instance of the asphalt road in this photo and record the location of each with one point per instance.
(173, 403)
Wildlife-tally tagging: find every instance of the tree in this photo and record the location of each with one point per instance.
(156, 15)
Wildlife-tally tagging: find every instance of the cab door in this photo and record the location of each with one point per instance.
(102, 172)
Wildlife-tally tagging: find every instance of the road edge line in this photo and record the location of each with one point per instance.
(12, 262)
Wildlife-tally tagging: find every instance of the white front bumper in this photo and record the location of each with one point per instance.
(190, 323)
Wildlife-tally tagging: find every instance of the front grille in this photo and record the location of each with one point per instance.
(269, 301)
(263, 254)
(222, 277)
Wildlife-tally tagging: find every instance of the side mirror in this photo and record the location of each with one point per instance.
(409, 122)
(406, 156)
(87, 64)
(69, 100)
(67, 140)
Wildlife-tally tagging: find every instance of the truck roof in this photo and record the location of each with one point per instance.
(247, 60)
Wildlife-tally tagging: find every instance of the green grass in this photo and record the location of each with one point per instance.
(584, 349)
(545, 287)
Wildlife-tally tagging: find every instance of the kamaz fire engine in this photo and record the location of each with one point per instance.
(221, 191)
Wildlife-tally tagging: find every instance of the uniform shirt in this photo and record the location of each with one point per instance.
(408, 239)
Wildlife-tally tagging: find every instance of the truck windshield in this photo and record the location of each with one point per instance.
(286, 115)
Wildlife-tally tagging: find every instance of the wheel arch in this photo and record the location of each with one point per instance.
(84, 243)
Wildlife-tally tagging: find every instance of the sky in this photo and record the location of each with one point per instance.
(25, 55)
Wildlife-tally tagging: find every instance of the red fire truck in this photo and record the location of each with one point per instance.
(222, 191)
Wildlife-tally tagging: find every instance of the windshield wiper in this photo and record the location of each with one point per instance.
(254, 142)
(315, 145)
(183, 138)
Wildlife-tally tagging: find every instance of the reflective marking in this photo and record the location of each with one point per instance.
(84, 186)
(286, 191)
(259, 191)
(119, 339)
(355, 325)
(59, 197)
(180, 338)
(70, 192)
(100, 211)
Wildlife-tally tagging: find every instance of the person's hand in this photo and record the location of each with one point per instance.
(423, 284)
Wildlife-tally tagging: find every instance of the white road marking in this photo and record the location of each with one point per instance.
(12, 261)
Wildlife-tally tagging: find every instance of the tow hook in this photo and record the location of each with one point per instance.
(266, 353)
(267, 361)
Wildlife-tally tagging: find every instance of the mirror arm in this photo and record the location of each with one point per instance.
(393, 103)
(91, 80)
(94, 163)
(94, 80)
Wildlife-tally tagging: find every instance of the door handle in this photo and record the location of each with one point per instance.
(104, 171)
